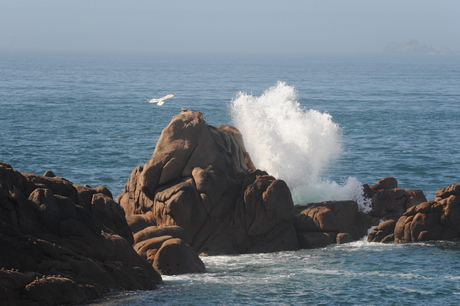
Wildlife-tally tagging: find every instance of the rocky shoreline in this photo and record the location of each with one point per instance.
(198, 195)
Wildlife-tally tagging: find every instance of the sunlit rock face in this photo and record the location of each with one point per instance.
(201, 178)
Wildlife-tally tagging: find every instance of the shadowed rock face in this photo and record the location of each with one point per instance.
(64, 243)
(201, 179)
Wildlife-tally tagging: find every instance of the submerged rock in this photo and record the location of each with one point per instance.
(201, 179)
(64, 243)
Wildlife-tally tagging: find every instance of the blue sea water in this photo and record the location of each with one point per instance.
(86, 118)
(358, 273)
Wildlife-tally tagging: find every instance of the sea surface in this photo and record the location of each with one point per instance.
(325, 124)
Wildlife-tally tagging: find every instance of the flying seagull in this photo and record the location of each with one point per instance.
(160, 101)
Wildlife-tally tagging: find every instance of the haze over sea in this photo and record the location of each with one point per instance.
(355, 119)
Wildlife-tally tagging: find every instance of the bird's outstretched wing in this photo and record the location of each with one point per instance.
(160, 101)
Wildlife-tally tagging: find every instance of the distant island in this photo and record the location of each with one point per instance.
(413, 46)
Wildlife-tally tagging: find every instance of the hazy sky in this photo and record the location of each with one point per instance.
(214, 26)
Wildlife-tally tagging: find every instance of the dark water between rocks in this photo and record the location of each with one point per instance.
(87, 119)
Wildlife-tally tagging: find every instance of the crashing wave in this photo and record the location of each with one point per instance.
(293, 144)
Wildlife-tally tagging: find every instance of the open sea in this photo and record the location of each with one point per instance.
(324, 123)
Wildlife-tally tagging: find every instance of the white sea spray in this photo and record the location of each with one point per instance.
(293, 144)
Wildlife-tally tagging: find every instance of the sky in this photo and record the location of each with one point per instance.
(237, 27)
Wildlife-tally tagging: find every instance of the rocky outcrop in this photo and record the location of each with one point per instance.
(434, 220)
(389, 201)
(430, 220)
(64, 243)
(388, 204)
(201, 179)
(321, 224)
(201, 187)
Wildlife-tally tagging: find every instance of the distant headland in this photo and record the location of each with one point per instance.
(413, 46)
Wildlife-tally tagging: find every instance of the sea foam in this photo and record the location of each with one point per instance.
(293, 144)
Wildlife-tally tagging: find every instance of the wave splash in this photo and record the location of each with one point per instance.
(293, 144)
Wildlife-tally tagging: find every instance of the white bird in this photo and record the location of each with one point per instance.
(160, 101)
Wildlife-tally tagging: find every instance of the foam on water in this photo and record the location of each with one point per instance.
(360, 272)
(293, 144)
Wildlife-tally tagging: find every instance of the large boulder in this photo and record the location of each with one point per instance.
(167, 248)
(175, 257)
(201, 178)
(64, 243)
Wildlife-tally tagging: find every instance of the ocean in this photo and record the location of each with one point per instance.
(324, 123)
